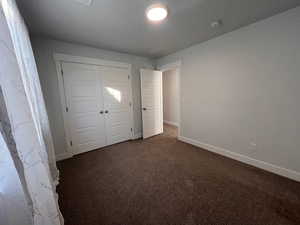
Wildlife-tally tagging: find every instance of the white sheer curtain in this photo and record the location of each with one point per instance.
(30, 142)
(14, 208)
(30, 78)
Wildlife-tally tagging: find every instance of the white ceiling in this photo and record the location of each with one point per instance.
(120, 25)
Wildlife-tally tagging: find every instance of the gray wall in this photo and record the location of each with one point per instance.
(244, 88)
(171, 96)
(44, 49)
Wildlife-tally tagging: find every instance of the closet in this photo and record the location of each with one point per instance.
(98, 105)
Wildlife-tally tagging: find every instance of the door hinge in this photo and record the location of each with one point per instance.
(131, 129)
(71, 143)
(62, 72)
(128, 77)
(67, 109)
(130, 104)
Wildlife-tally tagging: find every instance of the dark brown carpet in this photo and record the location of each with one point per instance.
(164, 181)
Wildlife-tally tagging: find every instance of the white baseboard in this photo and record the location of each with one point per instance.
(245, 159)
(171, 123)
(137, 136)
(63, 156)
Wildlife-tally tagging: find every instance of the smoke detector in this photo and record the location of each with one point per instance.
(216, 24)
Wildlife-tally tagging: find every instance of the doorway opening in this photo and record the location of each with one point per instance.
(171, 99)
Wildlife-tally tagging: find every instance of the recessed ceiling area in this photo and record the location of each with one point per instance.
(122, 25)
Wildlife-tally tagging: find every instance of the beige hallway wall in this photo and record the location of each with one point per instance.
(171, 96)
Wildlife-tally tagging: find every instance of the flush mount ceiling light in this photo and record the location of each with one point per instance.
(157, 13)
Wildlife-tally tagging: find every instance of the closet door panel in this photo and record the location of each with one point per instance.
(116, 93)
(83, 92)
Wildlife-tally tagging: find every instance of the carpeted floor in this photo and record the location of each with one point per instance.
(162, 181)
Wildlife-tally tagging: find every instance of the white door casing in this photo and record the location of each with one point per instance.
(84, 105)
(152, 102)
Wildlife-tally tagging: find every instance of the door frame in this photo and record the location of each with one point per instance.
(59, 58)
(170, 66)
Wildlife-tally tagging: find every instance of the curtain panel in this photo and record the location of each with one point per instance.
(30, 143)
(29, 75)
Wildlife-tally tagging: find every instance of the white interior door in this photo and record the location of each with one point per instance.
(152, 102)
(85, 107)
(117, 104)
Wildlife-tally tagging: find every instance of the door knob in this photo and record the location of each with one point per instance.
(106, 111)
(144, 109)
(101, 112)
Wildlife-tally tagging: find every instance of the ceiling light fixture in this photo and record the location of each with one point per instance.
(157, 13)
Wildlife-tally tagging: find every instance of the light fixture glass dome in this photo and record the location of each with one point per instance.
(156, 13)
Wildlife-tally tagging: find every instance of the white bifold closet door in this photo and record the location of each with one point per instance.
(117, 103)
(83, 92)
(97, 106)
(152, 102)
